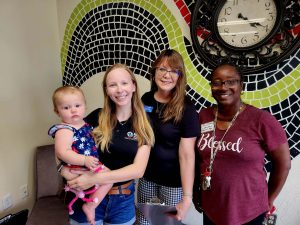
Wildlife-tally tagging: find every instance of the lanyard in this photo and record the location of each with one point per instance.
(214, 150)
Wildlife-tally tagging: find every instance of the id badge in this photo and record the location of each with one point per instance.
(206, 177)
(206, 183)
(207, 127)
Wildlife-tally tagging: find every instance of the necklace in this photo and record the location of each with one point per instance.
(123, 122)
(213, 151)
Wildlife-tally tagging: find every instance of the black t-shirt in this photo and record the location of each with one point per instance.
(163, 167)
(123, 146)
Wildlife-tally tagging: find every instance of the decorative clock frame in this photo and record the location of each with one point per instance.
(281, 42)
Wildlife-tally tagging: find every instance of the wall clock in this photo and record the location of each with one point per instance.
(254, 34)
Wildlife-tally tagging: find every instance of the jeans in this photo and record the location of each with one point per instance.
(114, 209)
(100, 222)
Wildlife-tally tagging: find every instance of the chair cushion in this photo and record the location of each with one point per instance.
(49, 182)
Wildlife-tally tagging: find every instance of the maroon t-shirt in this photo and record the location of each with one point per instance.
(239, 191)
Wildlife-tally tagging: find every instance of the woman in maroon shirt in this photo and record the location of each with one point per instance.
(234, 139)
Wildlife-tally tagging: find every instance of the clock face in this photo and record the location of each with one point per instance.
(253, 34)
(245, 23)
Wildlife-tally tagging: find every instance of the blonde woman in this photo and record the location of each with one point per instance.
(170, 172)
(124, 136)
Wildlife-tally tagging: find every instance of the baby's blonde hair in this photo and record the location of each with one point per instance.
(59, 92)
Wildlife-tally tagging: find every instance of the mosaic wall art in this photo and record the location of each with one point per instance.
(100, 33)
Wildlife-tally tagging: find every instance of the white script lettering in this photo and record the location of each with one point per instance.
(206, 141)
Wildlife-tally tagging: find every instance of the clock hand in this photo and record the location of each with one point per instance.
(253, 24)
(240, 16)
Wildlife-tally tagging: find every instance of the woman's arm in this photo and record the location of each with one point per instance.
(63, 151)
(281, 164)
(132, 171)
(187, 170)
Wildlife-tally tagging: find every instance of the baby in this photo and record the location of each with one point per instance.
(74, 143)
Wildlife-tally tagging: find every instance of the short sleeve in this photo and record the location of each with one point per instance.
(190, 122)
(52, 131)
(148, 101)
(272, 132)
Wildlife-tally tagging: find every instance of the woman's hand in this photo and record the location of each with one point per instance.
(85, 180)
(183, 207)
(67, 174)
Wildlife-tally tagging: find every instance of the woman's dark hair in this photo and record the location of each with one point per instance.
(237, 68)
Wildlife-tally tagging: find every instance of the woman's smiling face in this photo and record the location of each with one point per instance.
(120, 87)
(226, 85)
(165, 77)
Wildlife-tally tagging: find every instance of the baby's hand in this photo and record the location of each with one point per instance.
(91, 162)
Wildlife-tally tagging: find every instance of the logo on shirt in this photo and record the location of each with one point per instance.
(131, 136)
(148, 108)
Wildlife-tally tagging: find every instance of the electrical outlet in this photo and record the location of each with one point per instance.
(24, 191)
(7, 201)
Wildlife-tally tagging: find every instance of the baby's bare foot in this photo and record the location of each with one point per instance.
(89, 210)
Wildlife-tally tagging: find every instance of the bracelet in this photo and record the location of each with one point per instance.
(188, 195)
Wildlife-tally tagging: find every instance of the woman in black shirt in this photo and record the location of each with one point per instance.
(170, 171)
(124, 136)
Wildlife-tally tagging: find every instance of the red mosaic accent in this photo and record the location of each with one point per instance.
(296, 30)
(183, 10)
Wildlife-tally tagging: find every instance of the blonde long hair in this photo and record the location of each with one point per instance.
(175, 107)
(108, 119)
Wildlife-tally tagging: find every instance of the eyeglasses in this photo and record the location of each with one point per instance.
(227, 83)
(163, 71)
